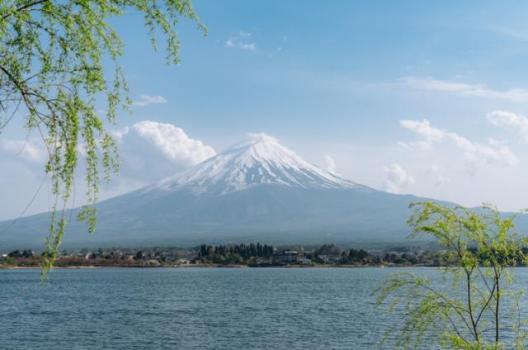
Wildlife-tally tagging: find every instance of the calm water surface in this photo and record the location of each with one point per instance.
(194, 308)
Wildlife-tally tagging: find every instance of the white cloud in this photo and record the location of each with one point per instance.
(120, 133)
(150, 151)
(330, 164)
(476, 154)
(173, 142)
(510, 121)
(29, 150)
(464, 89)
(241, 41)
(424, 129)
(397, 178)
(146, 100)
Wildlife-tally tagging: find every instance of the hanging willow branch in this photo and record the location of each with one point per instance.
(471, 307)
(52, 71)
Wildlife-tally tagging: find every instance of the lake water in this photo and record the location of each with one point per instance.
(194, 308)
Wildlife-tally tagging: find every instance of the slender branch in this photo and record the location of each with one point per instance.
(497, 303)
(486, 304)
(23, 8)
(470, 305)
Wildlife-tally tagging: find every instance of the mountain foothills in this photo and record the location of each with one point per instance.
(255, 190)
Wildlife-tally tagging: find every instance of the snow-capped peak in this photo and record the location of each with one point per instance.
(258, 160)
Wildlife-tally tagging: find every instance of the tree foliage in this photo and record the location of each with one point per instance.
(55, 72)
(477, 307)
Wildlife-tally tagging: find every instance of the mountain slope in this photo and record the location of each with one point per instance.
(255, 190)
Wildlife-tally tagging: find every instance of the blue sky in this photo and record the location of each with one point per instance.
(322, 71)
(408, 96)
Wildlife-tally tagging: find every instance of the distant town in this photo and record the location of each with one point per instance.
(233, 255)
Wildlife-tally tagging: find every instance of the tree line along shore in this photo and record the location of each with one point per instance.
(251, 255)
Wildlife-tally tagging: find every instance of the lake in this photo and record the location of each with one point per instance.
(194, 308)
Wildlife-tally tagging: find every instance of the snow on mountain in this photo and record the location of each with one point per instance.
(259, 160)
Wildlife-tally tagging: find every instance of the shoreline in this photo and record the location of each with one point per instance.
(201, 266)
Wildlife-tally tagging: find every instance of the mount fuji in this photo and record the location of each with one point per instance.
(255, 190)
(258, 161)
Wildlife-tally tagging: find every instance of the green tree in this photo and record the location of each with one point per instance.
(469, 311)
(54, 72)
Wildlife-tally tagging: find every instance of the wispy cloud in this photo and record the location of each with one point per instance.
(476, 154)
(146, 100)
(465, 89)
(241, 41)
(517, 123)
(28, 150)
(397, 178)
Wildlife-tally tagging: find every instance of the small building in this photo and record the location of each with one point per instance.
(305, 261)
(181, 261)
(287, 257)
(328, 259)
(152, 263)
